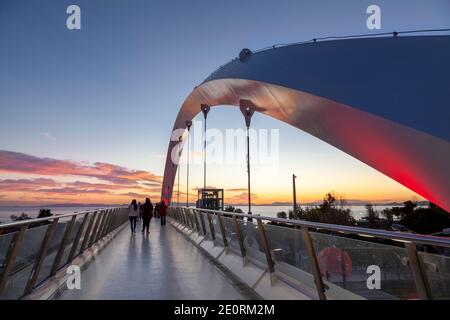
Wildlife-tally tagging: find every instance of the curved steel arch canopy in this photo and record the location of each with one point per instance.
(384, 101)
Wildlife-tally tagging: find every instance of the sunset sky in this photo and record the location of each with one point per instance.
(86, 115)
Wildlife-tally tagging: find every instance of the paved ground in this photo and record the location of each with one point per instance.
(161, 265)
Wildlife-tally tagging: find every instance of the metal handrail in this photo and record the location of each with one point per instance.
(390, 235)
(182, 215)
(56, 216)
(107, 220)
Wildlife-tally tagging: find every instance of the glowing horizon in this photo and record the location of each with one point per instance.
(30, 180)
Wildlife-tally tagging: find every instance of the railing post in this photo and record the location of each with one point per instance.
(313, 264)
(202, 222)
(114, 220)
(87, 234)
(101, 226)
(197, 224)
(110, 220)
(106, 223)
(14, 246)
(182, 218)
(62, 246)
(222, 229)
(189, 218)
(240, 237)
(40, 257)
(176, 212)
(419, 278)
(77, 239)
(266, 247)
(94, 230)
(211, 226)
(185, 217)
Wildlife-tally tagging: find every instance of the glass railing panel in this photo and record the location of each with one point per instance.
(70, 240)
(52, 249)
(192, 220)
(23, 265)
(54, 246)
(208, 235)
(217, 230)
(84, 231)
(287, 247)
(436, 268)
(5, 240)
(252, 242)
(231, 234)
(344, 262)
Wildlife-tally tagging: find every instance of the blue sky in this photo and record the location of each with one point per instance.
(110, 92)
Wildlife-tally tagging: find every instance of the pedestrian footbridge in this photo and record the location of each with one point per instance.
(204, 254)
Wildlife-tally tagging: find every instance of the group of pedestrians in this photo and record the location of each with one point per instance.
(145, 212)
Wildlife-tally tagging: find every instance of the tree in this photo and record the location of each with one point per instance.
(372, 215)
(330, 211)
(282, 215)
(418, 219)
(21, 217)
(389, 215)
(44, 213)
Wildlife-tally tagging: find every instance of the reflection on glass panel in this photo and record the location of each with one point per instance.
(197, 221)
(252, 241)
(217, 230)
(193, 220)
(231, 234)
(70, 240)
(287, 245)
(344, 262)
(84, 232)
(5, 241)
(206, 223)
(437, 271)
(52, 249)
(23, 265)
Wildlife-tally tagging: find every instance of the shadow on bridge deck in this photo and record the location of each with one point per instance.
(161, 265)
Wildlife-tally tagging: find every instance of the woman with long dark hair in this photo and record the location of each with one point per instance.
(133, 213)
(147, 214)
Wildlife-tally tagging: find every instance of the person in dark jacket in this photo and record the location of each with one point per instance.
(147, 214)
(162, 212)
(140, 211)
(157, 210)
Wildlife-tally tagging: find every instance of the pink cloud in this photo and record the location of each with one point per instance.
(113, 180)
(15, 162)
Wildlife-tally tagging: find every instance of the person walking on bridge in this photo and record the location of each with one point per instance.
(133, 212)
(147, 214)
(157, 209)
(162, 212)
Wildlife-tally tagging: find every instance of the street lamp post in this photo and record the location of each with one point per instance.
(294, 194)
(188, 125)
(180, 150)
(247, 110)
(205, 109)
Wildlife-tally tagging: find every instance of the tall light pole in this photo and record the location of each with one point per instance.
(205, 109)
(294, 193)
(180, 150)
(247, 110)
(188, 125)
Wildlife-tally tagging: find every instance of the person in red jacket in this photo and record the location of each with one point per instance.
(163, 212)
(147, 214)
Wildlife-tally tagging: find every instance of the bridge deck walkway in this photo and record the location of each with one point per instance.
(160, 265)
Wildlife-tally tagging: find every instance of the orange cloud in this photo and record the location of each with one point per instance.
(116, 183)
